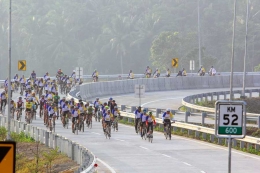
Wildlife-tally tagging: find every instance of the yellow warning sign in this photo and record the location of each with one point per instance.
(7, 157)
(175, 62)
(22, 65)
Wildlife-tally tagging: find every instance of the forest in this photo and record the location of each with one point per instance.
(114, 36)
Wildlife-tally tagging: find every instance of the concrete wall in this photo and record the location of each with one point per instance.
(91, 90)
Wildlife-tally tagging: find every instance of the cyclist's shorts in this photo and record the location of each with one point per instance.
(65, 113)
(167, 121)
(107, 122)
(28, 110)
(50, 116)
(82, 114)
(74, 119)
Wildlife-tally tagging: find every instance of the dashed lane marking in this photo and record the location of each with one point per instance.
(144, 147)
(186, 163)
(166, 155)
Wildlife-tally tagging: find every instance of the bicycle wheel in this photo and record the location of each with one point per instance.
(53, 126)
(82, 126)
(67, 122)
(90, 123)
(145, 134)
(76, 128)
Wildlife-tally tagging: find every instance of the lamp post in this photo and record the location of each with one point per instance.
(199, 32)
(245, 56)
(9, 72)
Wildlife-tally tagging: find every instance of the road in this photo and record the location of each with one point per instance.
(126, 152)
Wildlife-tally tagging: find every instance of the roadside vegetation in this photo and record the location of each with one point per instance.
(34, 157)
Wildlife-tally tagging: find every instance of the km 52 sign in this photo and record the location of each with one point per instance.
(230, 118)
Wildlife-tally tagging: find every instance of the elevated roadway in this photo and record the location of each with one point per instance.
(127, 152)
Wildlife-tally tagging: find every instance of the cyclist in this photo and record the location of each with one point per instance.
(3, 97)
(41, 84)
(166, 117)
(97, 104)
(28, 85)
(28, 109)
(212, 71)
(150, 122)
(113, 105)
(148, 72)
(46, 76)
(33, 75)
(12, 107)
(107, 119)
(110, 101)
(65, 111)
(16, 80)
(156, 73)
(51, 114)
(54, 88)
(138, 113)
(27, 95)
(103, 108)
(168, 72)
(184, 73)
(201, 71)
(22, 82)
(90, 111)
(42, 102)
(116, 114)
(20, 106)
(95, 76)
(35, 101)
(56, 100)
(130, 75)
(75, 116)
(72, 102)
(143, 118)
(61, 103)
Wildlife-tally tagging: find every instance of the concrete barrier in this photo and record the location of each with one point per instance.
(92, 90)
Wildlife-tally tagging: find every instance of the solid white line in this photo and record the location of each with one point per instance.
(106, 165)
(120, 140)
(144, 147)
(166, 155)
(96, 133)
(202, 171)
(186, 163)
(161, 100)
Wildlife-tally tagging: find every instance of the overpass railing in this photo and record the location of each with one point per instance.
(73, 150)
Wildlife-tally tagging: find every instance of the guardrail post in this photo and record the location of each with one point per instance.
(249, 146)
(217, 96)
(197, 134)
(225, 95)
(250, 93)
(212, 94)
(242, 144)
(133, 108)
(257, 147)
(203, 116)
(122, 107)
(234, 143)
(158, 111)
(258, 121)
(47, 138)
(219, 141)
(212, 138)
(204, 135)
(186, 116)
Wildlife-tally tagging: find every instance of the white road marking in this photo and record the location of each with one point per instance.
(96, 133)
(202, 171)
(106, 165)
(144, 147)
(186, 163)
(166, 155)
(120, 140)
(161, 100)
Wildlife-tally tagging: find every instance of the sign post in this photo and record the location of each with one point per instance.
(175, 62)
(139, 92)
(79, 72)
(192, 65)
(230, 122)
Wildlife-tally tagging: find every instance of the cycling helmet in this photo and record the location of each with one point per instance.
(110, 98)
(105, 103)
(30, 99)
(43, 95)
(168, 110)
(150, 113)
(106, 107)
(80, 100)
(20, 97)
(97, 98)
(139, 107)
(145, 110)
(76, 107)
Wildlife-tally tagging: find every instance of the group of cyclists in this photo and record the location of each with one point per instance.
(202, 71)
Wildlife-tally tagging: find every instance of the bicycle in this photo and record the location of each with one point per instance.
(34, 111)
(51, 124)
(144, 131)
(28, 118)
(76, 127)
(19, 114)
(12, 112)
(108, 131)
(89, 121)
(167, 132)
(115, 123)
(138, 126)
(81, 123)
(150, 135)
(66, 122)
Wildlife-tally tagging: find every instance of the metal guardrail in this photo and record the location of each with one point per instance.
(190, 100)
(76, 152)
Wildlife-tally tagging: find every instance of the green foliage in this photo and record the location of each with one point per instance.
(257, 68)
(50, 157)
(3, 133)
(22, 137)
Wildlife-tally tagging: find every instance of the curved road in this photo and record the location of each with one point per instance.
(127, 152)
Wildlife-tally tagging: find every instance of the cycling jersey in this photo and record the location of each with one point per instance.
(71, 103)
(3, 96)
(46, 77)
(53, 89)
(144, 117)
(167, 116)
(13, 106)
(138, 114)
(151, 119)
(82, 109)
(16, 78)
(107, 116)
(29, 105)
(27, 95)
(97, 104)
(19, 104)
(115, 113)
(65, 107)
(48, 96)
(73, 75)
(50, 110)
(95, 74)
(75, 113)
(22, 80)
(90, 110)
(28, 86)
(56, 99)
(62, 102)
(33, 75)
